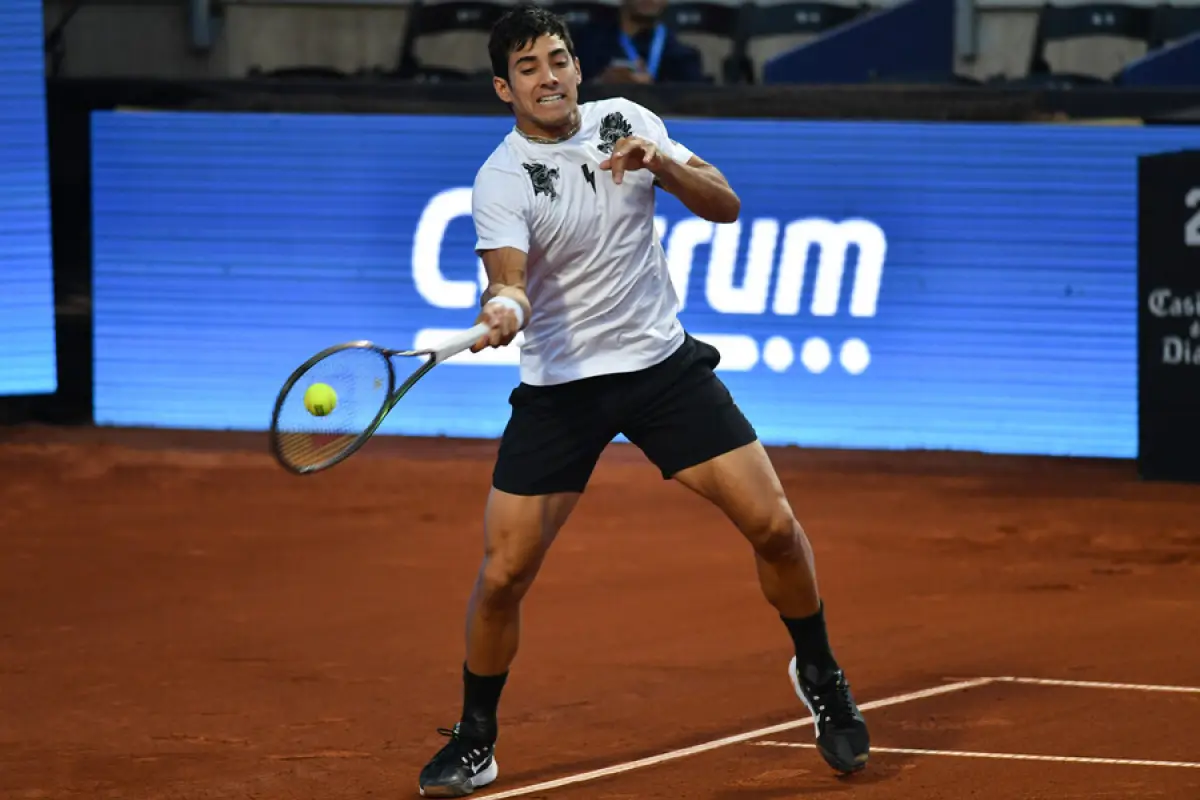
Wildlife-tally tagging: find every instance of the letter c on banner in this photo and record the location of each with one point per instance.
(436, 288)
(1159, 299)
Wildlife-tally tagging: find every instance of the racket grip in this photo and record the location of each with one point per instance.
(459, 342)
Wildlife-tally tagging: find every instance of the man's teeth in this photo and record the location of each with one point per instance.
(552, 98)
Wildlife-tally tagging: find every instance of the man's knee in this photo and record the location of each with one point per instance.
(504, 581)
(519, 531)
(775, 534)
(514, 552)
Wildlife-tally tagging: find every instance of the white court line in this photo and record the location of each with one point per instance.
(1005, 756)
(1137, 687)
(628, 766)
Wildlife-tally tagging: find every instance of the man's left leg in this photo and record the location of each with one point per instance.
(686, 422)
(744, 485)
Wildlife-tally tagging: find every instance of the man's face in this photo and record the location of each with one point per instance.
(543, 83)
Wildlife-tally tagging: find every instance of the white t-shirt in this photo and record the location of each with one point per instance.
(597, 277)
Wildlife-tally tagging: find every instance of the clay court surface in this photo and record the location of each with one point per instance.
(182, 619)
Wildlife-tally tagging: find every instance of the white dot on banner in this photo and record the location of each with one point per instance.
(855, 356)
(778, 353)
(815, 354)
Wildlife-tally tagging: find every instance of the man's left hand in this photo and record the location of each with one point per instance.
(631, 154)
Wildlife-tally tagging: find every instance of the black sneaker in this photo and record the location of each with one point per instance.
(459, 768)
(842, 737)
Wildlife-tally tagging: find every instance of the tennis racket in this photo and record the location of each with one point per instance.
(364, 377)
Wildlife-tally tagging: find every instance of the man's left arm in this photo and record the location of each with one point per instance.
(699, 186)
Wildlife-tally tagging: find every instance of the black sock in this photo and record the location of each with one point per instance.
(481, 699)
(814, 657)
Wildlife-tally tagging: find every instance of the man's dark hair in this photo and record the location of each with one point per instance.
(517, 28)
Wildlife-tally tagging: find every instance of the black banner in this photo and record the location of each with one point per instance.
(1169, 316)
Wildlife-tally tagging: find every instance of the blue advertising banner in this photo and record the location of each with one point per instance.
(889, 285)
(27, 358)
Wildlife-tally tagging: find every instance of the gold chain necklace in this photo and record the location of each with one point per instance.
(548, 140)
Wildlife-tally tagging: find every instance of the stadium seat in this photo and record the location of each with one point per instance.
(459, 31)
(580, 14)
(768, 30)
(1095, 41)
(712, 28)
(1171, 23)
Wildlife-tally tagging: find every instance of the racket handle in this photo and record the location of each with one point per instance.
(459, 342)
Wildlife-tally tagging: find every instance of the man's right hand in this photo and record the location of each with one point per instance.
(506, 279)
(504, 326)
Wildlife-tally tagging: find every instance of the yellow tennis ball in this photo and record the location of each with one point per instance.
(320, 399)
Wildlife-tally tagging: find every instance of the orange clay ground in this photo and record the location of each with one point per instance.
(179, 618)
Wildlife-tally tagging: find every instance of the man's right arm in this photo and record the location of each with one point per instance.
(498, 206)
(504, 304)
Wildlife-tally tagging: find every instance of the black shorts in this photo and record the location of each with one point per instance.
(678, 412)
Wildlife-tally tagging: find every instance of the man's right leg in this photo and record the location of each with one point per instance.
(549, 449)
(518, 532)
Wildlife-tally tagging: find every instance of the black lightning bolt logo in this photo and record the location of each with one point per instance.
(590, 176)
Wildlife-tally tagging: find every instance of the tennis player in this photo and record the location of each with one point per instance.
(564, 215)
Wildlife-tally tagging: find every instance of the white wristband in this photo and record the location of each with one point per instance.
(514, 305)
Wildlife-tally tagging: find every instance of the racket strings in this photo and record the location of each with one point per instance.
(360, 380)
(307, 450)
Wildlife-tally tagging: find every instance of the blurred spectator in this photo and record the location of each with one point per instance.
(638, 49)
